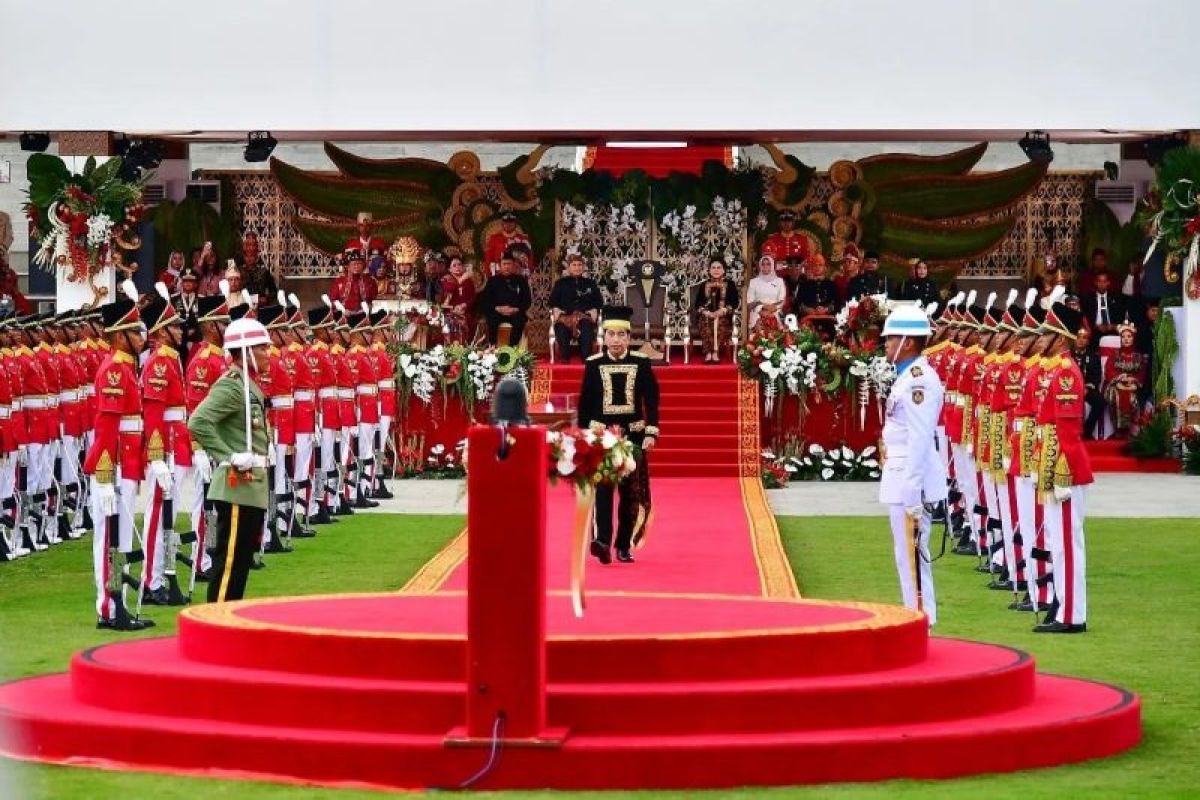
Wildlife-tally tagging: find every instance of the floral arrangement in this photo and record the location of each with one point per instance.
(814, 462)
(77, 219)
(862, 320)
(441, 463)
(1172, 213)
(1188, 437)
(470, 371)
(428, 317)
(791, 361)
(590, 456)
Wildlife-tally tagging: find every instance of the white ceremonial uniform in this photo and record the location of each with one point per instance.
(913, 475)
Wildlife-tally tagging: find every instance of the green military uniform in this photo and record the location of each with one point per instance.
(218, 427)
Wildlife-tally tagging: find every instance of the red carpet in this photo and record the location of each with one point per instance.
(698, 417)
(1106, 456)
(698, 666)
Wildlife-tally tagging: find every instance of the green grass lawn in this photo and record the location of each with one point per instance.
(1144, 635)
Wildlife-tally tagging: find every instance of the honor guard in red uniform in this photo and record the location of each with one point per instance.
(115, 462)
(347, 381)
(366, 402)
(304, 411)
(168, 449)
(509, 237)
(1022, 468)
(207, 362)
(366, 240)
(381, 331)
(38, 418)
(9, 442)
(320, 360)
(786, 244)
(1063, 473)
(72, 406)
(282, 418)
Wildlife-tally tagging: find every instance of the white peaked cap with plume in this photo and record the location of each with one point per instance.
(162, 290)
(129, 290)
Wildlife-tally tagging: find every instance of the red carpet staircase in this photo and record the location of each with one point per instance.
(698, 417)
(1106, 456)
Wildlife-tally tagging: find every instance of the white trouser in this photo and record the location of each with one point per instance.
(348, 451)
(993, 508)
(905, 552)
(33, 471)
(70, 459)
(127, 492)
(1009, 527)
(8, 476)
(1064, 534)
(302, 473)
(385, 433)
(366, 454)
(964, 468)
(154, 525)
(1031, 523)
(943, 445)
(326, 469)
(198, 521)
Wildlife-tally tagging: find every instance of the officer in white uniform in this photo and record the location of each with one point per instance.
(914, 476)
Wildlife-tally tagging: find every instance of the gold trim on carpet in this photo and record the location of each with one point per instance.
(430, 577)
(774, 571)
(881, 616)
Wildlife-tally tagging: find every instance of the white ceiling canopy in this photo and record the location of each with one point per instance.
(464, 69)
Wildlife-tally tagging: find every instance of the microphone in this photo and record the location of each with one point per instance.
(510, 406)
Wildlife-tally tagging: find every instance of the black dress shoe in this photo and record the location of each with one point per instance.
(277, 546)
(203, 577)
(156, 597)
(602, 553)
(1060, 627)
(321, 517)
(1000, 586)
(1020, 605)
(303, 533)
(1043, 607)
(383, 493)
(966, 550)
(344, 510)
(624, 556)
(258, 564)
(365, 502)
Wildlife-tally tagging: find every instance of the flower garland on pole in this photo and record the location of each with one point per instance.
(78, 218)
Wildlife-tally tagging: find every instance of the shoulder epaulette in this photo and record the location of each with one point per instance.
(637, 354)
(595, 356)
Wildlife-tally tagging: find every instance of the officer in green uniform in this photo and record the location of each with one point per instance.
(239, 488)
(619, 389)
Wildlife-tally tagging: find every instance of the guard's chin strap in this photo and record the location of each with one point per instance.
(899, 347)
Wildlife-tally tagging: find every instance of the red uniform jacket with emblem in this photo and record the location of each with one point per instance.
(347, 380)
(48, 362)
(498, 242)
(166, 430)
(119, 440)
(386, 379)
(320, 361)
(8, 441)
(18, 424)
(205, 366)
(35, 404)
(281, 405)
(72, 403)
(304, 388)
(1063, 458)
(779, 247)
(366, 388)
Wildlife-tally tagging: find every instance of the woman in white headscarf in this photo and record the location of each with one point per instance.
(765, 297)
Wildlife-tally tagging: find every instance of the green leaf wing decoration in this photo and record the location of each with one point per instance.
(889, 166)
(946, 196)
(339, 196)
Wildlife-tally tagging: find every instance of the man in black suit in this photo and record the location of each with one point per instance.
(1105, 309)
(574, 306)
(505, 298)
(1089, 364)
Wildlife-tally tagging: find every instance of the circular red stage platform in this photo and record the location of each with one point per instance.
(655, 691)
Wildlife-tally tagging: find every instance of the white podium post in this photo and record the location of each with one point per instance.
(70, 295)
(1186, 372)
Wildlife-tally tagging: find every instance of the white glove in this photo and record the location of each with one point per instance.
(22, 455)
(1007, 462)
(915, 510)
(1062, 493)
(159, 472)
(203, 465)
(243, 461)
(105, 495)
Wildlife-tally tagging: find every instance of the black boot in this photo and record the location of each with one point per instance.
(174, 593)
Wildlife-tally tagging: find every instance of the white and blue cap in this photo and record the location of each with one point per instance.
(907, 320)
